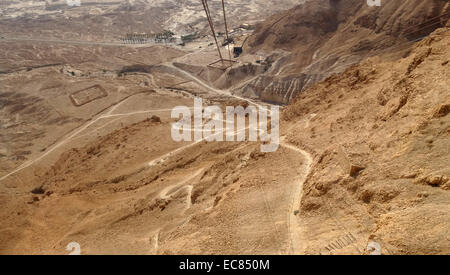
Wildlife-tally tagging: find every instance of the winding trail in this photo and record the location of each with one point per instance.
(295, 246)
(172, 190)
(217, 91)
(297, 194)
(293, 226)
(74, 134)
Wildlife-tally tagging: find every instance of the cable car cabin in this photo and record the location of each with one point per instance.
(237, 51)
(226, 41)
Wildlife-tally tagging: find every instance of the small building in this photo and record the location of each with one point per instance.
(246, 26)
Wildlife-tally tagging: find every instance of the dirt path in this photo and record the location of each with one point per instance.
(76, 133)
(209, 87)
(293, 226)
(295, 246)
(174, 189)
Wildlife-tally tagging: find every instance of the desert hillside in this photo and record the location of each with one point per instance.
(87, 153)
(380, 134)
(319, 38)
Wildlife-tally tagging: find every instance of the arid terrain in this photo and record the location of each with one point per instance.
(87, 156)
(96, 20)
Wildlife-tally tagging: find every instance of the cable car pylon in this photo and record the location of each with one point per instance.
(208, 16)
(226, 29)
(211, 25)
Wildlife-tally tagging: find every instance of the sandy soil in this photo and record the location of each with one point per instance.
(379, 134)
(86, 153)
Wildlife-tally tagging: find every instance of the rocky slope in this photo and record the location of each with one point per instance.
(380, 133)
(323, 37)
(108, 175)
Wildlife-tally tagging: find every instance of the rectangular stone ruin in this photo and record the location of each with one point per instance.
(87, 95)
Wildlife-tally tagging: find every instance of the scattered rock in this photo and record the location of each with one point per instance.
(436, 181)
(441, 111)
(420, 57)
(347, 164)
(355, 169)
(67, 70)
(393, 106)
(366, 196)
(155, 119)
